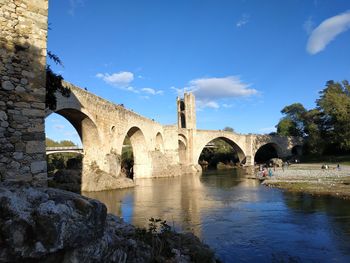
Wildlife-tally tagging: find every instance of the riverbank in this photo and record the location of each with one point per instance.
(310, 178)
(52, 225)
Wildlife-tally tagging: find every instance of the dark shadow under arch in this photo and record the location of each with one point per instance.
(141, 160)
(266, 152)
(230, 156)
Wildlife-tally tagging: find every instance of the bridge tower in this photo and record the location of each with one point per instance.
(186, 112)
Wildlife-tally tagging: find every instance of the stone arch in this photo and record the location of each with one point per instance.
(297, 150)
(235, 146)
(182, 144)
(142, 163)
(85, 127)
(90, 137)
(159, 142)
(274, 147)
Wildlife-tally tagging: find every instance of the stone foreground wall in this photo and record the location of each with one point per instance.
(23, 31)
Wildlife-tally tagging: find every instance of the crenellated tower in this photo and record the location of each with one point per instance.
(186, 112)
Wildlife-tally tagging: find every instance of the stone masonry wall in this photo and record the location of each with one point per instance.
(23, 31)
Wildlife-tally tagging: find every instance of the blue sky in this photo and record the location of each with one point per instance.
(244, 60)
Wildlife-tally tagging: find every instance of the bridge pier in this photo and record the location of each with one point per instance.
(249, 160)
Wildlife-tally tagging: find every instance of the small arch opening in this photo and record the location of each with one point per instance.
(297, 150)
(182, 105)
(159, 143)
(265, 153)
(183, 120)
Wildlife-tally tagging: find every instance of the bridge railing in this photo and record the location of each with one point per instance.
(60, 148)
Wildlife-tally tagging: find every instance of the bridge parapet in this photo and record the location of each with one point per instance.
(64, 149)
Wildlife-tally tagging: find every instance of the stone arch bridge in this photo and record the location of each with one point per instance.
(158, 150)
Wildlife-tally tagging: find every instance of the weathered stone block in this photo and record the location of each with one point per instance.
(38, 167)
(7, 85)
(18, 155)
(3, 116)
(35, 147)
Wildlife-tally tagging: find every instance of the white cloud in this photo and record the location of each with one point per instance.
(220, 88)
(207, 104)
(227, 105)
(123, 79)
(309, 25)
(71, 134)
(209, 90)
(58, 127)
(73, 5)
(178, 91)
(152, 91)
(327, 31)
(132, 89)
(120, 79)
(243, 20)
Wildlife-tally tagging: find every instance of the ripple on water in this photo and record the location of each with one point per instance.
(240, 219)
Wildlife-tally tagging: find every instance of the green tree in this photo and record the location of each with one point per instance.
(334, 105)
(292, 124)
(287, 127)
(314, 135)
(229, 129)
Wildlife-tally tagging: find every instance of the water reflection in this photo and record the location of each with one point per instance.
(242, 220)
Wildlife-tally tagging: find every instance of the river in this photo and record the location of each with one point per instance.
(240, 219)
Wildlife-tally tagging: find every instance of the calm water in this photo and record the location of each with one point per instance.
(242, 220)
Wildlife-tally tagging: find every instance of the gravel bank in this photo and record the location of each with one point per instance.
(312, 179)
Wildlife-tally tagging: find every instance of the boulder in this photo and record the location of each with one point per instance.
(275, 162)
(35, 222)
(51, 226)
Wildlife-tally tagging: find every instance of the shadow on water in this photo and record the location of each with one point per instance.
(242, 220)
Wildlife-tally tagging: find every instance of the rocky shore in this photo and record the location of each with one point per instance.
(312, 179)
(52, 225)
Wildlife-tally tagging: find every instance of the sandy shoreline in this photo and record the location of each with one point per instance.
(310, 178)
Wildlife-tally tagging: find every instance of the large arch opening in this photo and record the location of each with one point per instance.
(135, 143)
(71, 136)
(127, 159)
(297, 150)
(221, 153)
(265, 153)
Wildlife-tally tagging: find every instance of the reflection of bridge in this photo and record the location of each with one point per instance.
(66, 149)
(158, 150)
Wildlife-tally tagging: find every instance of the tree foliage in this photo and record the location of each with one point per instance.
(326, 128)
(54, 83)
(229, 129)
(63, 143)
(59, 161)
